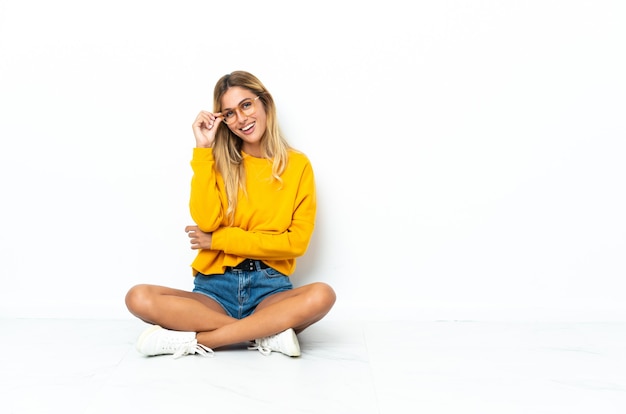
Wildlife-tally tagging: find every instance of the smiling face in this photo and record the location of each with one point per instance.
(250, 128)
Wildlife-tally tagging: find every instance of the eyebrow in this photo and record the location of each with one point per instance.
(240, 102)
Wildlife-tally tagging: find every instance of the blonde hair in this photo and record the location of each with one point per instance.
(227, 145)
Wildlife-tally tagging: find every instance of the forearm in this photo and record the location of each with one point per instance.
(263, 245)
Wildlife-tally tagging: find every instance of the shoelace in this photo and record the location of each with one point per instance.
(193, 348)
(258, 347)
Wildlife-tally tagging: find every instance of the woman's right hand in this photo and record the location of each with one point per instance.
(204, 128)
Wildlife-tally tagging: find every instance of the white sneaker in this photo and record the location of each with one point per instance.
(285, 342)
(158, 341)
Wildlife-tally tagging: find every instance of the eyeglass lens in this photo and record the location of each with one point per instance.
(246, 108)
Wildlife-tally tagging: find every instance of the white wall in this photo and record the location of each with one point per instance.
(469, 155)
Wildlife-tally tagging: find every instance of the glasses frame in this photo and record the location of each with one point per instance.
(240, 111)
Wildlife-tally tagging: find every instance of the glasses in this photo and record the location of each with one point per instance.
(245, 108)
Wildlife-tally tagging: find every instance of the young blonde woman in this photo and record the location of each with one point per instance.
(253, 204)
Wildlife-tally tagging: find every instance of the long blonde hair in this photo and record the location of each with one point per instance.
(227, 146)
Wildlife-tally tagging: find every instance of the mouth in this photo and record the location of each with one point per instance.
(248, 127)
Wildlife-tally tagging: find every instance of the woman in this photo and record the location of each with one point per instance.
(253, 204)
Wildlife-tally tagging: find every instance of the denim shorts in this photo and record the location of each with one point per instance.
(240, 291)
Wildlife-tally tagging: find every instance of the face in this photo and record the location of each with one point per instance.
(250, 128)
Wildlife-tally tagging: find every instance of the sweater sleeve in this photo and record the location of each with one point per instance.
(205, 203)
(291, 243)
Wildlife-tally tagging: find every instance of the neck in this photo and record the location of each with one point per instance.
(253, 150)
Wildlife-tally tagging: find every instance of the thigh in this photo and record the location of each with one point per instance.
(146, 292)
(306, 304)
(312, 292)
(205, 300)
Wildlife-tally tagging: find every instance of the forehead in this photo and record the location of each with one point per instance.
(233, 96)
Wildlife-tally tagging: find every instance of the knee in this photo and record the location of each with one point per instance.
(138, 299)
(323, 296)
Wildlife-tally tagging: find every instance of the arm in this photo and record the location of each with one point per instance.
(205, 203)
(206, 200)
(289, 243)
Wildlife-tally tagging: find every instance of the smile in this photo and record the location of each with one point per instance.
(247, 127)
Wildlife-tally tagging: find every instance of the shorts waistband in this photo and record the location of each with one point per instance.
(250, 265)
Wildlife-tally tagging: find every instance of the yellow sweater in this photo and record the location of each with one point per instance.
(273, 223)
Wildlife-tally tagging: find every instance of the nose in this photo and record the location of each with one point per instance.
(241, 115)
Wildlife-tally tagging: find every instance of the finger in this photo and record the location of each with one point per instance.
(203, 119)
(209, 115)
(200, 118)
(190, 228)
(208, 123)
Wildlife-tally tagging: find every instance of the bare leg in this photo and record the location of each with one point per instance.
(193, 312)
(176, 309)
(297, 308)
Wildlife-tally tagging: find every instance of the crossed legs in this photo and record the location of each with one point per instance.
(180, 310)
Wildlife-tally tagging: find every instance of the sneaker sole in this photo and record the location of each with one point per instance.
(294, 348)
(147, 332)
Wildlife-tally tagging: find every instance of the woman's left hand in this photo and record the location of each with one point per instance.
(199, 239)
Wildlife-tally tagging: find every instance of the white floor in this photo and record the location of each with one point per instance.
(90, 366)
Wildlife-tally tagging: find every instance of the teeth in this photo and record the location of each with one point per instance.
(248, 127)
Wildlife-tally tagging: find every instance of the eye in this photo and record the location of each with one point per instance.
(229, 114)
(246, 105)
